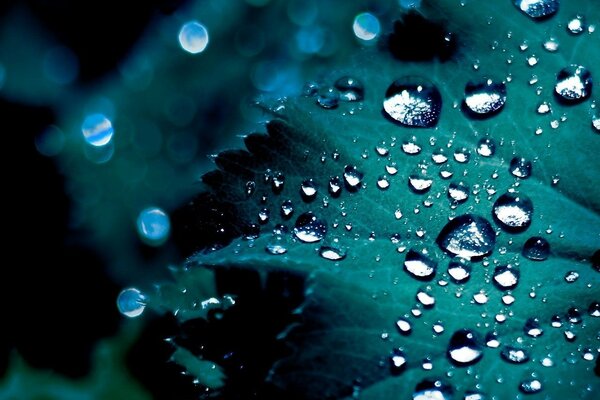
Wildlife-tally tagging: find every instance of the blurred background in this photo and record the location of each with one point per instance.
(109, 112)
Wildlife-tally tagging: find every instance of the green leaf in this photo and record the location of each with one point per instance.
(347, 330)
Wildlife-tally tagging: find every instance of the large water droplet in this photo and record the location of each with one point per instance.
(413, 102)
(309, 229)
(467, 236)
(278, 242)
(352, 178)
(520, 167)
(429, 389)
(153, 226)
(514, 355)
(506, 277)
(350, 89)
(464, 348)
(485, 98)
(513, 212)
(419, 183)
(536, 248)
(193, 37)
(486, 147)
(131, 302)
(97, 130)
(538, 9)
(420, 265)
(573, 84)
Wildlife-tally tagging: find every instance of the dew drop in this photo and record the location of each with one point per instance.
(514, 355)
(332, 253)
(352, 178)
(459, 270)
(485, 98)
(486, 147)
(425, 297)
(419, 183)
(308, 190)
(153, 226)
(277, 244)
(520, 167)
(458, 192)
(413, 102)
(263, 216)
(397, 361)
(366, 27)
(551, 45)
(492, 341)
(464, 348)
(513, 212)
(506, 277)
(350, 89)
(576, 25)
(328, 98)
(430, 389)
(596, 123)
(467, 236)
(310, 89)
(420, 265)
(309, 229)
(574, 316)
(536, 248)
(462, 155)
(97, 130)
(131, 302)
(287, 209)
(594, 309)
(537, 9)
(277, 182)
(530, 386)
(573, 84)
(404, 326)
(335, 186)
(383, 183)
(410, 146)
(571, 276)
(193, 37)
(532, 328)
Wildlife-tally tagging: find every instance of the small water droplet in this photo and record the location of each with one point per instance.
(459, 270)
(544, 108)
(533, 328)
(425, 297)
(467, 236)
(462, 155)
(513, 212)
(537, 9)
(404, 326)
(263, 216)
(277, 244)
(596, 122)
(574, 316)
(485, 98)
(131, 302)
(308, 190)
(420, 265)
(309, 229)
(350, 89)
(492, 340)
(506, 277)
(576, 25)
(419, 183)
(398, 361)
(335, 186)
(486, 147)
(332, 253)
(520, 167)
(310, 89)
(287, 209)
(352, 178)
(594, 309)
(277, 182)
(458, 192)
(410, 146)
(514, 355)
(465, 348)
(573, 84)
(530, 386)
(429, 389)
(413, 102)
(383, 183)
(536, 248)
(328, 98)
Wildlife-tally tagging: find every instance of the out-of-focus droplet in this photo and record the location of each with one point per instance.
(413, 102)
(193, 37)
(573, 84)
(131, 302)
(366, 27)
(50, 142)
(153, 226)
(350, 89)
(97, 130)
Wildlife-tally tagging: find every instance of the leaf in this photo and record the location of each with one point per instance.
(341, 346)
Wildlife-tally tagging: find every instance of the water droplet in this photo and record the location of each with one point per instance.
(332, 253)
(263, 216)
(413, 102)
(404, 326)
(570, 336)
(309, 229)
(573, 84)
(383, 183)
(574, 315)
(465, 348)
(287, 209)
(485, 98)
(481, 297)
(596, 122)
(328, 98)
(420, 265)
(486, 147)
(470, 395)
(462, 155)
(520, 167)
(193, 37)
(419, 183)
(533, 328)
(467, 236)
(537, 9)
(594, 309)
(425, 297)
(551, 45)
(492, 340)
(544, 108)
(459, 270)
(410, 146)
(366, 26)
(97, 130)
(506, 277)
(438, 328)
(571, 276)
(556, 321)
(310, 89)
(530, 386)
(429, 389)
(277, 182)
(352, 178)
(513, 212)
(350, 89)
(458, 192)
(576, 25)
(536, 248)
(514, 355)
(153, 226)
(131, 302)
(397, 361)
(308, 190)
(335, 186)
